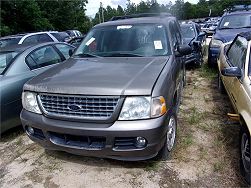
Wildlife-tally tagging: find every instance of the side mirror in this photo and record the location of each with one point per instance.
(183, 50)
(71, 52)
(232, 72)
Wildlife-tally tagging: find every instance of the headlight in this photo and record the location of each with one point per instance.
(135, 108)
(29, 101)
(216, 43)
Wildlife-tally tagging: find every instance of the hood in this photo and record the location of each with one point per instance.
(226, 35)
(100, 76)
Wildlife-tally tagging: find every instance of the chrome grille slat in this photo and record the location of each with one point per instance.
(90, 107)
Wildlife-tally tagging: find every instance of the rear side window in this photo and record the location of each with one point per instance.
(37, 38)
(64, 49)
(237, 52)
(42, 57)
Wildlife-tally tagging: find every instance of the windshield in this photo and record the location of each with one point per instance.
(235, 21)
(187, 31)
(139, 40)
(9, 41)
(5, 60)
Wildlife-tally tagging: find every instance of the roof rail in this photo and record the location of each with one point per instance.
(238, 8)
(163, 14)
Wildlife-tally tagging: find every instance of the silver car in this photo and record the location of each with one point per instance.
(18, 64)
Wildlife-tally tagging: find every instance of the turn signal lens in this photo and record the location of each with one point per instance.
(158, 106)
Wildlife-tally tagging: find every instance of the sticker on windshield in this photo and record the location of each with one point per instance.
(90, 41)
(226, 24)
(158, 45)
(124, 27)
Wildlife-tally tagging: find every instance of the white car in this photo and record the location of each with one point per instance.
(28, 38)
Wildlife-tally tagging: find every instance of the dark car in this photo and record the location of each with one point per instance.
(18, 64)
(61, 36)
(117, 96)
(76, 41)
(230, 25)
(193, 36)
(74, 33)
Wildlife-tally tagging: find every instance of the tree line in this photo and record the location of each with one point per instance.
(19, 16)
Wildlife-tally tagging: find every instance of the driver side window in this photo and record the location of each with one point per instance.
(237, 52)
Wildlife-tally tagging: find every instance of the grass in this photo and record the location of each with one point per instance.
(194, 116)
(219, 166)
(207, 72)
(202, 152)
(152, 166)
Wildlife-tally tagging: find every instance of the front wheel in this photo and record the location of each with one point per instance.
(170, 139)
(245, 154)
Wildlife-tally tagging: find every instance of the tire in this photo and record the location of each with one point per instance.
(164, 153)
(245, 166)
(220, 84)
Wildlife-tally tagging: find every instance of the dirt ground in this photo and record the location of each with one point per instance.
(205, 155)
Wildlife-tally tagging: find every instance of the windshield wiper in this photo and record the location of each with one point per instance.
(235, 27)
(86, 55)
(123, 54)
(249, 26)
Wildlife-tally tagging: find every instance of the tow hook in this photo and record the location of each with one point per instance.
(234, 117)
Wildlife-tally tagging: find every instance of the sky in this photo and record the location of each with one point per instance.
(93, 5)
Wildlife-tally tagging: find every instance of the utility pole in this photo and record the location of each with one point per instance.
(99, 17)
(102, 11)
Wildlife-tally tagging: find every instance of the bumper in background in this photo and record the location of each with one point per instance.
(116, 141)
(213, 54)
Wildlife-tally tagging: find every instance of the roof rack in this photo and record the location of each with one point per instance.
(163, 14)
(238, 8)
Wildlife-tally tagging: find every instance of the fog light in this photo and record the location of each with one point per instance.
(30, 130)
(140, 142)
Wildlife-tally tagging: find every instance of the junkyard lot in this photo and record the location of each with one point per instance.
(206, 152)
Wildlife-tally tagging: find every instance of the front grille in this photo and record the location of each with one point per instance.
(78, 107)
(79, 142)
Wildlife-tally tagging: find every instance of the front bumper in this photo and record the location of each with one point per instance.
(52, 133)
(213, 54)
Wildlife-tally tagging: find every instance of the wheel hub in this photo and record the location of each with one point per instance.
(171, 134)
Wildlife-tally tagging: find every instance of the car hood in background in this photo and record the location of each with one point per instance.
(226, 35)
(100, 76)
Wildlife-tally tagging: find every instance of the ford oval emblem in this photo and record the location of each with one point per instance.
(74, 107)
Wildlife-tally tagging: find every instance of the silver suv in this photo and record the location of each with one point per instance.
(117, 97)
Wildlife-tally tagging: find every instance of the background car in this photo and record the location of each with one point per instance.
(193, 36)
(18, 64)
(235, 78)
(28, 38)
(76, 41)
(74, 33)
(61, 36)
(233, 22)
